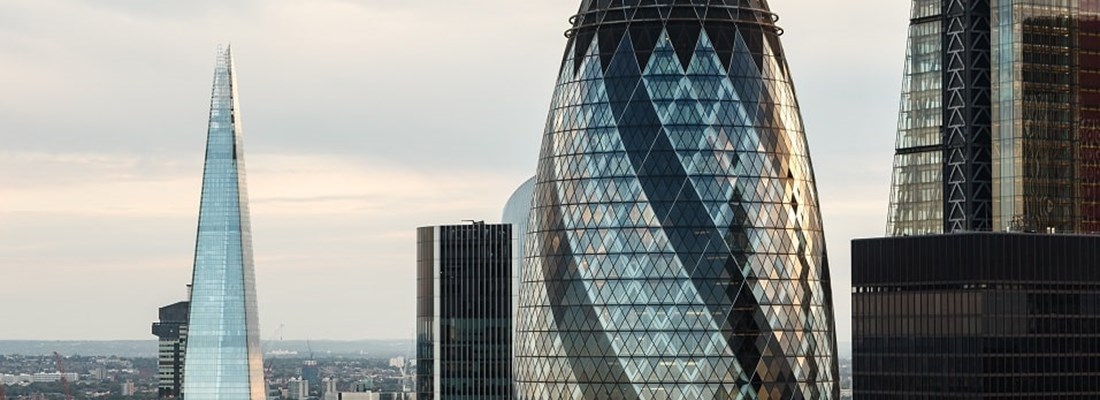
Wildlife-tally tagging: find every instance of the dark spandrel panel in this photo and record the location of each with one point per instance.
(976, 316)
(675, 246)
(975, 258)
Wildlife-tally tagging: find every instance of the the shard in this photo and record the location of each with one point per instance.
(675, 249)
(223, 360)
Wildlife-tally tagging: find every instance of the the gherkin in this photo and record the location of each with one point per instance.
(223, 359)
(675, 248)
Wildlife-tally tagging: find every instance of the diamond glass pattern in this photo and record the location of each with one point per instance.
(675, 247)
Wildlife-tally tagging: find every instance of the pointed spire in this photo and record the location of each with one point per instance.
(223, 348)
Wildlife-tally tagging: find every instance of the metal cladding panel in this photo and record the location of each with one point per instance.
(224, 359)
(967, 120)
(976, 316)
(675, 248)
(975, 258)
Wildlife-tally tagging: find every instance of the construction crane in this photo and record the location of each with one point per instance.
(61, 370)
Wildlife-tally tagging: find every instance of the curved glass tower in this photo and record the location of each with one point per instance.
(223, 360)
(675, 249)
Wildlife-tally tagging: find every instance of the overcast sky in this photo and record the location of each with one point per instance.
(364, 119)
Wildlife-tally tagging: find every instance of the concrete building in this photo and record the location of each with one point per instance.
(297, 389)
(171, 332)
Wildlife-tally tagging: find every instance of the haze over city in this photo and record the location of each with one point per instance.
(363, 120)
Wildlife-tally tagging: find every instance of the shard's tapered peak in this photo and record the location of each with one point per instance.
(675, 248)
(223, 359)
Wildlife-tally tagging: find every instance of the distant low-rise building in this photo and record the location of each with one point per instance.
(48, 377)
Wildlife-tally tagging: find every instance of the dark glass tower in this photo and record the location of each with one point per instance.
(675, 249)
(977, 316)
(464, 312)
(997, 136)
(224, 361)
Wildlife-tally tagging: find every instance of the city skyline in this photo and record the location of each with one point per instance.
(324, 240)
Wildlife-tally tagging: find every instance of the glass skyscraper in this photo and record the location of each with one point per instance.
(998, 125)
(675, 249)
(224, 361)
(987, 287)
(464, 312)
(916, 197)
(517, 212)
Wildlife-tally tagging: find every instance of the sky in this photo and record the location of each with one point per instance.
(363, 120)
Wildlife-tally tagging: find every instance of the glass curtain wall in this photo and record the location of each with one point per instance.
(676, 248)
(1046, 78)
(916, 197)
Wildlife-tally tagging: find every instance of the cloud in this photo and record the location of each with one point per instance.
(364, 119)
(349, 221)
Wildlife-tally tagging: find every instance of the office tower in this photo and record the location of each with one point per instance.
(517, 212)
(464, 322)
(171, 332)
(978, 315)
(973, 296)
(675, 247)
(998, 124)
(224, 361)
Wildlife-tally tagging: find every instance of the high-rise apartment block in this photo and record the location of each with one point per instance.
(297, 389)
(464, 312)
(676, 248)
(985, 289)
(171, 331)
(224, 361)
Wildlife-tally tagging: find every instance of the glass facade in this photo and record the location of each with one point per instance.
(517, 212)
(982, 316)
(1047, 75)
(224, 360)
(464, 312)
(916, 195)
(675, 248)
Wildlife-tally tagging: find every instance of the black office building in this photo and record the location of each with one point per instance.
(172, 333)
(464, 312)
(977, 316)
(987, 287)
